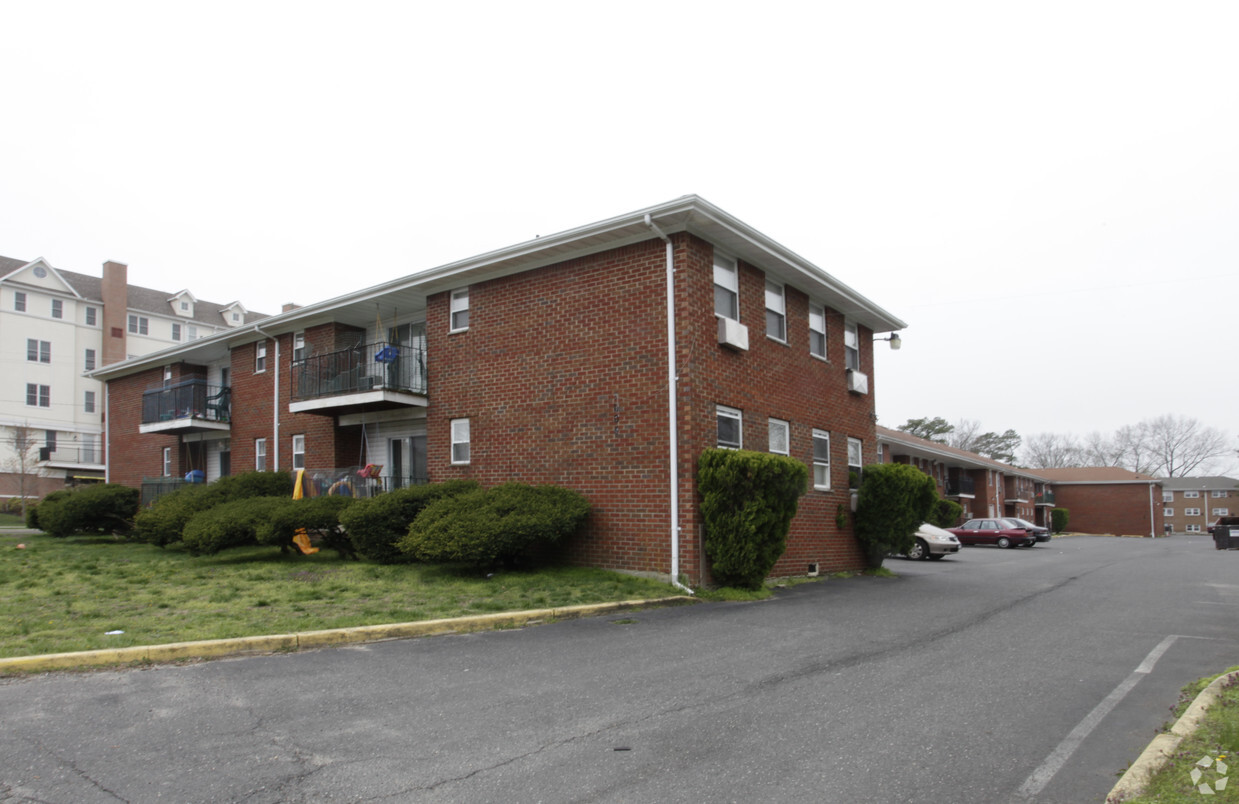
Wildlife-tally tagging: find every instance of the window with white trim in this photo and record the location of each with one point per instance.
(729, 427)
(726, 287)
(176, 331)
(167, 461)
(776, 311)
(19, 302)
(1191, 495)
(1221, 512)
(88, 404)
(38, 395)
(460, 441)
(260, 357)
(139, 325)
(856, 454)
(58, 308)
(1167, 496)
(92, 316)
(1167, 512)
(298, 452)
(817, 330)
(89, 360)
(1191, 528)
(821, 460)
(459, 310)
(1191, 512)
(1221, 493)
(87, 449)
(38, 351)
(851, 346)
(260, 454)
(298, 347)
(780, 436)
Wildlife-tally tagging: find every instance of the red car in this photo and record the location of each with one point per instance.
(993, 531)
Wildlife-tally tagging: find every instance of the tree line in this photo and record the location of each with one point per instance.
(1162, 446)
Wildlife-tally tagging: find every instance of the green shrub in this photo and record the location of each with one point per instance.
(946, 514)
(375, 525)
(895, 499)
(32, 512)
(748, 501)
(496, 524)
(102, 508)
(164, 521)
(319, 516)
(1058, 519)
(229, 524)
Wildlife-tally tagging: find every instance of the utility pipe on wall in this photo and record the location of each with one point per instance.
(275, 399)
(672, 413)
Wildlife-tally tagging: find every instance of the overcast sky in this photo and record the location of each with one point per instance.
(1048, 193)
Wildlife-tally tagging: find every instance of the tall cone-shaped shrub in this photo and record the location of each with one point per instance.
(748, 500)
(895, 499)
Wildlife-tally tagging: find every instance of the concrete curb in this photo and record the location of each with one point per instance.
(307, 640)
(1163, 746)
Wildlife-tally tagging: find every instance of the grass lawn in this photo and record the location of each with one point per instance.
(1217, 738)
(62, 595)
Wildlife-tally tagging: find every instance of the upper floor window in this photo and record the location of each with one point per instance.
(817, 330)
(1221, 512)
(726, 288)
(260, 357)
(460, 441)
(92, 316)
(730, 427)
(780, 436)
(856, 454)
(298, 347)
(821, 459)
(1220, 493)
(1167, 496)
(1191, 512)
(58, 308)
(776, 311)
(90, 360)
(139, 325)
(38, 351)
(19, 302)
(459, 310)
(191, 332)
(1167, 512)
(38, 395)
(851, 346)
(176, 331)
(88, 405)
(167, 461)
(1191, 495)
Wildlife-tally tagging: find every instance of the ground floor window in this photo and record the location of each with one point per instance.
(460, 441)
(260, 454)
(1192, 528)
(821, 460)
(730, 427)
(856, 452)
(298, 452)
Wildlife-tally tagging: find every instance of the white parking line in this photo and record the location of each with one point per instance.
(1039, 778)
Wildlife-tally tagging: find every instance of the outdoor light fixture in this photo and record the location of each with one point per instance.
(894, 339)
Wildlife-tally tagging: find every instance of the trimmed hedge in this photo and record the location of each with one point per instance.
(375, 525)
(748, 501)
(318, 516)
(229, 524)
(1059, 518)
(895, 499)
(486, 526)
(164, 521)
(102, 508)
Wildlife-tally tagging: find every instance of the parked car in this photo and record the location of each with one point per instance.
(992, 531)
(932, 542)
(1042, 534)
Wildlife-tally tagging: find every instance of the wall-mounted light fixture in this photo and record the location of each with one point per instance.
(894, 339)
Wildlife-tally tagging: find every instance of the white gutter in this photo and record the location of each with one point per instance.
(672, 414)
(275, 399)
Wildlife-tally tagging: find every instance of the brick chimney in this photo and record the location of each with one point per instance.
(289, 307)
(115, 311)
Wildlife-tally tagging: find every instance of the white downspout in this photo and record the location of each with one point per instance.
(275, 399)
(1152, 519)
(672, 416)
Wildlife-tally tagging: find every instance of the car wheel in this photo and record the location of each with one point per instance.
(1003, 542)
(919, 550)
(935, 556)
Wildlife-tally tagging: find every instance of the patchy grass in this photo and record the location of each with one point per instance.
(1217, 738)
(61, 595)
(12, 521)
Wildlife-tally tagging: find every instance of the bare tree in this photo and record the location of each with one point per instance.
(1051, 451)
(965, 434)
(23, 461)
(1178, 446)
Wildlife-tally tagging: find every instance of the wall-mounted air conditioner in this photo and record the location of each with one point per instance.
(858, 383)
(733, 334)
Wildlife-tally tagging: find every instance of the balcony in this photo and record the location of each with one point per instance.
(374, 376)
(960, 486)
(190, 406)
(74, 455)
(1044, 498)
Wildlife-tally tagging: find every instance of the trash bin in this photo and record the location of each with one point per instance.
(1222, 537)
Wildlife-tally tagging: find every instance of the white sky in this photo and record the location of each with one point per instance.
(1048, 193)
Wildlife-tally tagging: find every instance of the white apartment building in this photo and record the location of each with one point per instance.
(54, 326)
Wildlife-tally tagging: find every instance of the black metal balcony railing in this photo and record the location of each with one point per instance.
(71, 453)
(962, 484)
(370, 367)
(1044, 498)
(189, 399)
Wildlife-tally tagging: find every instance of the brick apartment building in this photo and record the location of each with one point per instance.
(983, 486)
(1191, 504)
(558, 361)
(1109, 500)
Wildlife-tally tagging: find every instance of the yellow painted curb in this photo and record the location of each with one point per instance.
(215, 648)
(1163, 746)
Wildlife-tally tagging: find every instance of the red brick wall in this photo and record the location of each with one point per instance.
(1121, 509)
(558, 391)
(132, 455)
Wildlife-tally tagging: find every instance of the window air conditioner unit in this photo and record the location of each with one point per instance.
(733, 334)
(857, 382)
